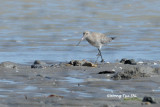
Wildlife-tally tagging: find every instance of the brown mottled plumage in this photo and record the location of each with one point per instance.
(97, 40)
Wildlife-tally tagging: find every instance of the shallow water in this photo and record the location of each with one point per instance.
(49, 30)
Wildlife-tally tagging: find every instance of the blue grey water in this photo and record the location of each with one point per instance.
(50, 29)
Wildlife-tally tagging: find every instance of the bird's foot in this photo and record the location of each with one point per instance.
(102, 60)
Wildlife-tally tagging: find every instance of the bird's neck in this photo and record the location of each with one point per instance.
(88, 38)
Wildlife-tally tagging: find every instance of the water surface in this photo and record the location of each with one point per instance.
(50, 29)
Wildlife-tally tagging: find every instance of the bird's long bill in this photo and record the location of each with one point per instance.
(80, 41)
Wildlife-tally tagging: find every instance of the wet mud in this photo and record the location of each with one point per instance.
(79, 83)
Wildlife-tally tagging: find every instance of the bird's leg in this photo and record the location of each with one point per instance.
(101, 55)
(98, 54)
(97, 59)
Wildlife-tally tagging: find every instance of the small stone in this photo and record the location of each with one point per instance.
(128, 61)
(82, 63)
(121, 68)
(113, 70)
(39, 62)
(140, 62)
(155, 63)
(131, 61)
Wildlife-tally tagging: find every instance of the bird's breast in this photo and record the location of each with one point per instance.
(94, 42)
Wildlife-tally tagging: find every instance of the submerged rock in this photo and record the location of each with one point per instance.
(82, 63)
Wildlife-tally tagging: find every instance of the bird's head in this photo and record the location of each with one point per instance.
(85, 35)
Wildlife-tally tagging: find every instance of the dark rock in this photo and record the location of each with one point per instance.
(148, 99)
(128, 61)
(106, 72)
(8, 64)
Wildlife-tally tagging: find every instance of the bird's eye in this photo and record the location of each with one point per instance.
(84, 33)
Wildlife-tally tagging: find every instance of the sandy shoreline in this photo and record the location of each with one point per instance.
(62, 84)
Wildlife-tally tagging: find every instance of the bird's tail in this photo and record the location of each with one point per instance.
(113, 38)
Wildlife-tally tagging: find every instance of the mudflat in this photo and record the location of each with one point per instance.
(80, 83)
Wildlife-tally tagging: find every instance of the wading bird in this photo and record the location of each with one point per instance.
(97, 40)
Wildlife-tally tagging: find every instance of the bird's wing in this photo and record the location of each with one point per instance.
(105, 39)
